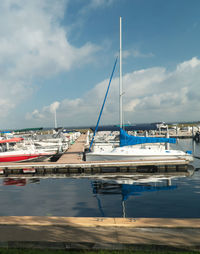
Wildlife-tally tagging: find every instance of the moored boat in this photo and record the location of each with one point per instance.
(131, 153)
(128, 149)
(11, 152)
(24, 155)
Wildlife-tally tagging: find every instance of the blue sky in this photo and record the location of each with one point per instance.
(59, 54)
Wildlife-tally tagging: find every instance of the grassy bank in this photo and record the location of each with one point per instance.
(27, 251)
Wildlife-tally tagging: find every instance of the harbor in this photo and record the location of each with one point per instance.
(118, 189)
(72, 162)
(93, 205)
(100, 127)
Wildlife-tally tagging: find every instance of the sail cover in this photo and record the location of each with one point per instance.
(128, 140)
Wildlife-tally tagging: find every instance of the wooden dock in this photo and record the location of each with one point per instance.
(75, 152)
(71, 162)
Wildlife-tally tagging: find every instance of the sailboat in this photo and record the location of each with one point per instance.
(132, 147)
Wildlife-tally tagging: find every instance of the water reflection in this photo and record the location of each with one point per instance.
(174, 195)
(141, 195)
(19, 181)
(14, 181)
(130, 187)
(112, 187)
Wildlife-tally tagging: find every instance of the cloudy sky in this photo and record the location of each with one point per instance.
(58, 55)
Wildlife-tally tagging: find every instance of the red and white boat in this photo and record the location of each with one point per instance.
(25, 155)
(28, 153)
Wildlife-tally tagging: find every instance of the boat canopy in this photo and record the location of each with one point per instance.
(128, 140)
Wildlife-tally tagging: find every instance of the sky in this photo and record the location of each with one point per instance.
(58, 55)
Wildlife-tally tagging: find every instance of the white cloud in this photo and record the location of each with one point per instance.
(188, 65)
(94, 4)
(33, 44)
(54, 106)
(100, 3)
(136, 54)
(35, 115)
(131, 105)
(150, 95)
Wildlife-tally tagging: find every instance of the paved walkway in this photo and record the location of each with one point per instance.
(99, 233)
(75, 151)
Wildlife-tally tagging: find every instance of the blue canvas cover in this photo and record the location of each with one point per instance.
(128, 140)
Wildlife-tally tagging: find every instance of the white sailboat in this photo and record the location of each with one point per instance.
(131, 147)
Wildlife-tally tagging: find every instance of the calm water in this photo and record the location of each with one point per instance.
(140, 196)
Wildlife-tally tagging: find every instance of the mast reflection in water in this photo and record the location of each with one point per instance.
(142, 195)
(119, 187)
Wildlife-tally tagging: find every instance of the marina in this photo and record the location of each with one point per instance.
(88, 153)
(101, 211)
(100, 127)
(109, 201)
(71, 161)
(116, 189)
(103, 178)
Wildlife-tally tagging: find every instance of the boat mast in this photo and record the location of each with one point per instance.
(55, 119)
(120, 77)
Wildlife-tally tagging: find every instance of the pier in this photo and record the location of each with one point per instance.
(71, 162)
(75, 152)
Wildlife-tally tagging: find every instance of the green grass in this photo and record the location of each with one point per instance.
(33, 251)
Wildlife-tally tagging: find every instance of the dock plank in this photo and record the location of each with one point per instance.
(75, 152)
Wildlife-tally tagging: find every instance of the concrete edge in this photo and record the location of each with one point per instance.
(101, 222)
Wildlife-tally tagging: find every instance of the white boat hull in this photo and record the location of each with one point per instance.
(96, 157)
(134, 154)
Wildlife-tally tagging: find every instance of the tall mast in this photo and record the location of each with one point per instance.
(55, 118)
(120, 77)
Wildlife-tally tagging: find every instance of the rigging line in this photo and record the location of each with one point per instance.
(97, 125)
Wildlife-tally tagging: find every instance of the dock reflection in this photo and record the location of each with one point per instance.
(127, 187)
